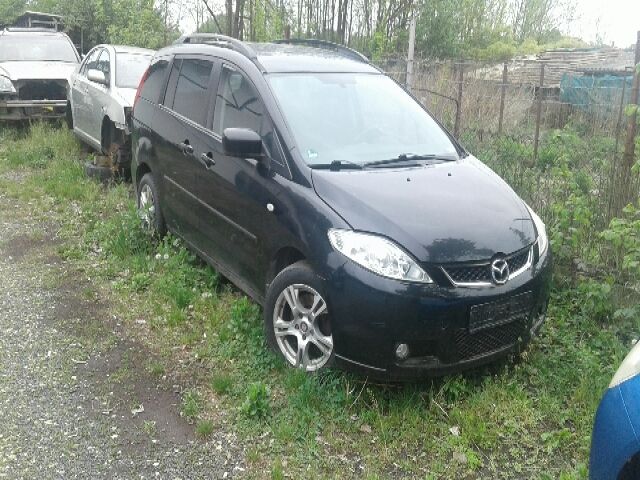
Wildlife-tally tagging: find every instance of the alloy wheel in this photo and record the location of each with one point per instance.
(146, 208)
(302, 327)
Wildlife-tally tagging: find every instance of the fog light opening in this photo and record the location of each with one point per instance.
(402, 351)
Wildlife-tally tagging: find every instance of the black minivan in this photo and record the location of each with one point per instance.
(327, 193)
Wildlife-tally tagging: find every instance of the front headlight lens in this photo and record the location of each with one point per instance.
(543, 241)
(6, 85)
(377, 254)
(629, 368)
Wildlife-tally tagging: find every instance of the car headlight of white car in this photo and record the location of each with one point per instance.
(6, 86)
(378, 255)
(543, 241)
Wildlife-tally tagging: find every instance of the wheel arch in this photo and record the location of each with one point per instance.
(283, 258)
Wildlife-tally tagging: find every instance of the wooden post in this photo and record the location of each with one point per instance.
(411, 52)
(628, 157)
(536, 140)
(456, 127)
(503, 94)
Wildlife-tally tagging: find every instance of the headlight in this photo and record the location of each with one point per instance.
(377, 254)
(6, 85)
(629, 368)
(543, 241)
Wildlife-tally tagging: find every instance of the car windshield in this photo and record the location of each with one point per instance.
(129, 69)
(36, 48)
(356, 118)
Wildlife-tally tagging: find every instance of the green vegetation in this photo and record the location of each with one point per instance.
(527, 417)
(492, 30)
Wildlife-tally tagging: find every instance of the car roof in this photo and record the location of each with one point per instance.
(283, 57)
(128, 49)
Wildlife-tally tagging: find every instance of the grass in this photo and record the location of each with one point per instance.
(528, 417)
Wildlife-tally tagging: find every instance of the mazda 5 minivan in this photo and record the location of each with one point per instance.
(327, 193)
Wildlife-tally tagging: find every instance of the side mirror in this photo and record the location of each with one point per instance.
(97, 76)
(242, 142)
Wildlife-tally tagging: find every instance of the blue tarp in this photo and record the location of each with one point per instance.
(594, 91)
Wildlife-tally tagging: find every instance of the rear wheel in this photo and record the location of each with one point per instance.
(149, 207)
(297, 320)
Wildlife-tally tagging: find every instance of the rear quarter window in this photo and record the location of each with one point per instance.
(152, 87)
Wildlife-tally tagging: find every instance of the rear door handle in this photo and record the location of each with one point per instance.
(186, 147)
(206, 160)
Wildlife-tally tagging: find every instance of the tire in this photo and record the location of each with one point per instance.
(149, 211)
(100, 173)
(68, 116)
(297, 309)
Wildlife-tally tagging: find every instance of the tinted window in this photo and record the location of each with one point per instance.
(237, 104)
(26, 47)
(190, 99)
(129, 69)
(155, 80)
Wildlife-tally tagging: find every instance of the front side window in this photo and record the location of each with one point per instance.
(238, 105)
(356, 118)
(36, 48)
(191, 99)
(103, 64)
(91, 62)
(129, 69)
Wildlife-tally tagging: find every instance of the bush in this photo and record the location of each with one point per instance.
(256, 404)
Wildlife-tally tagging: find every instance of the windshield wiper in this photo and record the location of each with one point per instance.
(337, 165)
(411, 159)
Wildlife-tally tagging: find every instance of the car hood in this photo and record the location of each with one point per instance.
(447, 212)
(37, 70)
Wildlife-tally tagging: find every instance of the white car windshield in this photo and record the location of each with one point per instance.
(129, 69)
(356, 118)
(36, 48)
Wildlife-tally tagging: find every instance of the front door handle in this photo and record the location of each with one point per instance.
(186, 147)
(207, 160)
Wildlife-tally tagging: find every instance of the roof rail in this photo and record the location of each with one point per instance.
(219, 41)
(336, 47)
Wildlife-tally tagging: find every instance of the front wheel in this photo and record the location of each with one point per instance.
(297, 319)
(149, 206)
(68, 116)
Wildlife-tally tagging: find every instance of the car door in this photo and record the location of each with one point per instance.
(178, 125)
(97, 96)
(79, 91)
(241, 196)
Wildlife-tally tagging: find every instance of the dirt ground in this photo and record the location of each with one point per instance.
(79, 399)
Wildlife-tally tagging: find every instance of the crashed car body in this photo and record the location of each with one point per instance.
(35, 65)
(101, 94)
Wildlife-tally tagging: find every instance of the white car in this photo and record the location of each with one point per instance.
(35, 65)
(101, 95)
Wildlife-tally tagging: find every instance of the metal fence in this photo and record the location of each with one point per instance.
(521, 99)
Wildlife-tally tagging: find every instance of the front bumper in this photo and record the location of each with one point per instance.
(371, 315)
(31, 109)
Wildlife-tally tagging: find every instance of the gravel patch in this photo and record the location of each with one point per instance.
(75, 396)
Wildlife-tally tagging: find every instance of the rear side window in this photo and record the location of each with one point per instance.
(154, 82)
(191, 97)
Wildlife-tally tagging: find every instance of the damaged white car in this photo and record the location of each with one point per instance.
(101, 95)
(35, 66)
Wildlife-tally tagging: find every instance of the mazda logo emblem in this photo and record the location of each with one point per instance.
(499, 271)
